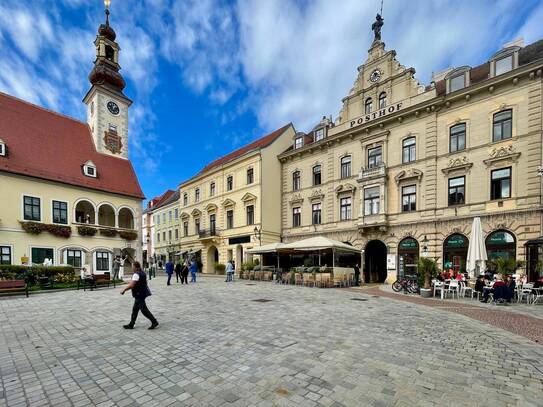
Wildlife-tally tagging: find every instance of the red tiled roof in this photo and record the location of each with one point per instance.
(257, 144)
(48, 145)
(158, 200)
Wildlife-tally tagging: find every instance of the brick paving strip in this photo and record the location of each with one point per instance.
(523, 325)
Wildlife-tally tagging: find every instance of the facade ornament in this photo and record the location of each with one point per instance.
(316, 195)
(296, 198)
(408, 174)
(343, 188)
(376, 27)
(460, 163)
(502, 153)
(248, 197)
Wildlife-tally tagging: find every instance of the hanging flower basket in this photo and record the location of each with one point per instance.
(128, 234)
(86, 230)
(58, 230)
(34, 228)
(108, 232)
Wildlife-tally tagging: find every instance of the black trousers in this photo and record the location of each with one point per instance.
(178, 276)
(185, 277)
(140, 305)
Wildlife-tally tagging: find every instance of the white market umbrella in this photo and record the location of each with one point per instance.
(476, 250)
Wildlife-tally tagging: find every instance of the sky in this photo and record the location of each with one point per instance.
(208, 76)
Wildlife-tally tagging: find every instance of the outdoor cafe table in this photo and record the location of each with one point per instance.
(538, 292)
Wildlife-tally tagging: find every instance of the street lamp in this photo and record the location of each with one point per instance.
(425, 246)
(258, 234)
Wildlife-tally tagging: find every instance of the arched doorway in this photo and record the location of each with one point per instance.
(212, 258)
(239, 257)
(375, 262)
(408, 257)
(501, 243)
(455, 252)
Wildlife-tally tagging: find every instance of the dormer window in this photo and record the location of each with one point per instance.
(504, 61)
(298, 142)
(457, 79)
(3, 150)
(504, 64)
(89, 169)
(319, 134)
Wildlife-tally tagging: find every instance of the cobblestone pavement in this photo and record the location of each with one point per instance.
(217, 346)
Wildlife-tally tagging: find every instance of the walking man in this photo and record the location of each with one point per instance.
(229, 271)
(193, 270)
(178, 275)
(140, 291)
(169, 270)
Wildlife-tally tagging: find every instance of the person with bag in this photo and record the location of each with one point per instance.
(178, 275)
(140, 291)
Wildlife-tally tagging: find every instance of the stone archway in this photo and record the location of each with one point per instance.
(375, 262)
(212, 258)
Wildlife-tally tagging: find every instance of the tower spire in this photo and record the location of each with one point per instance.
(107, 3)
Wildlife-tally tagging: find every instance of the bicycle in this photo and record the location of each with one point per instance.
(407, 283)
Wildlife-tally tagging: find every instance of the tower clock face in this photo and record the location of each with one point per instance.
(375, 75)
(113, 108)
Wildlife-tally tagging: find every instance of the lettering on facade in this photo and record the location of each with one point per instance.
(376, 115)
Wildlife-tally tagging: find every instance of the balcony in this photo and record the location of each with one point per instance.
(371, 173)
(369, 222)
(210, 233)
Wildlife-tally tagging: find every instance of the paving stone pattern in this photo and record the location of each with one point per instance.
(216, 346)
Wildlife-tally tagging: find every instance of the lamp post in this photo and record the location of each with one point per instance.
(258, 234)
(425, 246)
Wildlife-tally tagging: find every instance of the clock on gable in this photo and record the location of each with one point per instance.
(375, 75)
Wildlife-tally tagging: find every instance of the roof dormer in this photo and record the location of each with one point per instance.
(298, 140)
(457, 79)
(3, 149)
(504, 60)
(89, 169)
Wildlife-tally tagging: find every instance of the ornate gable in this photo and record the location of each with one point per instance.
(248, 197)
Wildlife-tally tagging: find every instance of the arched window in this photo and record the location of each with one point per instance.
(346, 167)
(317, 175)
(368, 106)
(457, 137)
(84, 212)
(502, 125)
(409, 150)
(382, 100)
(126, 218)
(408, 257)
(501, 243)
(296, 183)
(106, 215)
(455, 252)
(110, 52)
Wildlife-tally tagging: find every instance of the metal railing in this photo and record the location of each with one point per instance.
(211, 232)
(378, 170)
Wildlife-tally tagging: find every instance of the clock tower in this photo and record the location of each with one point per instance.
(107, 105)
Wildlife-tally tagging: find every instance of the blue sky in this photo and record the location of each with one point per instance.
(208, 76)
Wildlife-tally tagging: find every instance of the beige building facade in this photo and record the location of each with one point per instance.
(234, 203)
(167, 231)
(405, 168)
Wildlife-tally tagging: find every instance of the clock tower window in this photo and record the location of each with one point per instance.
(368, 105)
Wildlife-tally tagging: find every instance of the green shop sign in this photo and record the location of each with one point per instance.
(409, 243)
(456, 241)
(499, 238)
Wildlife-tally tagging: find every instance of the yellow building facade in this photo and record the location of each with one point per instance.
(167, 231)
(405, 167)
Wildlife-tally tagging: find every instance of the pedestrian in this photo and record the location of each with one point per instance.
(178, 272)
(185, 272)
(356, 275)
(140, 291)
(193, 270)
(169, 271)
(229, 271)
(116, 267)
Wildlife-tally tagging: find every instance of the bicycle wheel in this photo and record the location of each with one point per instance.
(397, 286)
(413, 287)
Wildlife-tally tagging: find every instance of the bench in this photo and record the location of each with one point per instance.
(13, 285)
(99, 279)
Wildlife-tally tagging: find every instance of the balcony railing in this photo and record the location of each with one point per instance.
(208, 233)
(372, 172)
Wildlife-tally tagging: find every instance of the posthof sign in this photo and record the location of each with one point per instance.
(376, 115)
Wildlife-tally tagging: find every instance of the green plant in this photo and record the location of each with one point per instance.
(34, 228)
(220, 268)
(427, 269)
(30, 274)
(505, 267)
(108, 232)
(128, 234)
(86, 230)
(256, 261)
(248, 265)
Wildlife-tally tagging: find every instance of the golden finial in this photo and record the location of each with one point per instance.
(107, 3)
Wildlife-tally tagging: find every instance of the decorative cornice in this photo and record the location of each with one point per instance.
(460, 163)
(408, 174)
(343, 188)
(196, 212)
(296, 198)
(502, 153)
(227, 202)
(211, 207)
(248, 197)
(317, 195)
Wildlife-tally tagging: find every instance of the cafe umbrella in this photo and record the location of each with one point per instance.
(476, 261)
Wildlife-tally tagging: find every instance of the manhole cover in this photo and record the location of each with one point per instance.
(261, 300)
(359, 299)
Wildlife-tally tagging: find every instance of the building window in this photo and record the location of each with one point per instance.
(89, 170)
(74, 258)
(212, 189)
(169, 216)
(298, 142)
(296, 182)
(185, 199)
(250, 215)
(368, 105)
(345, 208)
(409, 150)
(164, 217)
(197, 225)
(316, 214)
(371, 201)
(169, 235)
(250, 176)
(164, 237)
(457, 191)
(457, 137)
(185, 228)
(2, 148)
(319, 134)
(39, 254)
(317, 175)
(176, 213)
(375, 156)
(60, 212)
(157, 219)
(5, 254)
(32, 208)
(503, 65)
(212, 223)
(102, 261)
(500, 184)
(158, 237)
(382, 100)
(296, 217)
(229, 219)
(457, 83)
(176, 234)
(409, 198)
(197, 195)
(502, 125)
(346, 167)
(229, 183)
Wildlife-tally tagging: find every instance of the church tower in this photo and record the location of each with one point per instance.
(107, 105)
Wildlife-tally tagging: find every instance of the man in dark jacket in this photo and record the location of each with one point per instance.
(178, 275)
(140, 291)
(169, 271)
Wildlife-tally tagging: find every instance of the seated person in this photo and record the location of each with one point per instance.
(498, 290)
(459, 277)
(446, 275)
(511, 287)
(479, 284)
(88, 276)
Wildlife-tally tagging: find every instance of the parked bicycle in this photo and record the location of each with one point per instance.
(407, 283)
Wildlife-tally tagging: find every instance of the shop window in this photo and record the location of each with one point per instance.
(502, 244)
(502, 125)
(500, 184)
(408, 257)
(39, 254)
(455, 252)
(457, 137)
